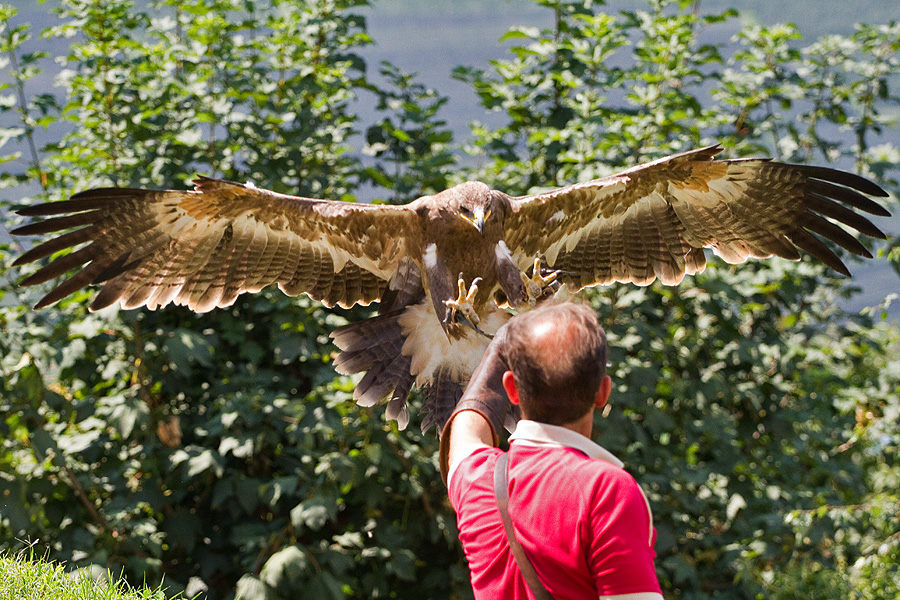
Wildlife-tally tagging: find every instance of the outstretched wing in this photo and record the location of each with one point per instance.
(203, 248)
(654, 220)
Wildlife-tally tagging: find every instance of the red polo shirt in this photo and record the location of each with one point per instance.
(583, 521)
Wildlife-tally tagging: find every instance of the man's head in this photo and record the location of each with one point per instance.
(557, 354)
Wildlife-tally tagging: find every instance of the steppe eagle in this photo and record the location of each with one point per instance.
(444, 267)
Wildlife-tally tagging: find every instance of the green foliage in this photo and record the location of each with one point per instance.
(220, 453)
(412, 146)
(597, 92)
(217, 87)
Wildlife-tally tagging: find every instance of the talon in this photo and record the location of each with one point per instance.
(464, 303)
(476, 328)
(538, 286)
(482, 332)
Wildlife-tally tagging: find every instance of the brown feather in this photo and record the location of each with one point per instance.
(440, 400)
(849, 180)
(374, 346)
(847, 195)
(58, 267)
(830, 231)
(70, 286)
(53, 245)
(832, 209)
(57, 224)
(89, 200)
(811, 244)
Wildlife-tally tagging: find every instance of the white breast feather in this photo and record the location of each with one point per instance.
(431, 349)
(501, 251)
(430, 257)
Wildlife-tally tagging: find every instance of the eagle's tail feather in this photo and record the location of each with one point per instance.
(440, 400)
(375, 346)
(381, 380)
(397, 408)
(367, 343)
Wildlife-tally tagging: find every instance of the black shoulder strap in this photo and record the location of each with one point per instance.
(501, 490)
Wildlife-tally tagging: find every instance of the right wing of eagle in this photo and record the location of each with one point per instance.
(202, 248)
(654, 220)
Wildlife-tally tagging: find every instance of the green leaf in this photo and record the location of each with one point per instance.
(129, 413)
(185, 346)
(251, 588)
(45, 447)
(28, 382)
(312, 514)
(518, 33)
(286, 569)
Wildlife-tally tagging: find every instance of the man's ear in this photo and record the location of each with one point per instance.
(603, 392)
(509, 384)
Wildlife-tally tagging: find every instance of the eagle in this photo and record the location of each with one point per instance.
(447, 269)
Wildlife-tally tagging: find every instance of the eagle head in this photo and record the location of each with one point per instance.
(479, 206)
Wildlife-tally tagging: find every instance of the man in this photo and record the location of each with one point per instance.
(582, 520)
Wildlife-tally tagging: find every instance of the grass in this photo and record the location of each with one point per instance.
(26, 578)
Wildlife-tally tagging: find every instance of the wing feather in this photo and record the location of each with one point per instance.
(672, 256)
(248, 268)
(71, 285)
(635, 259)
(58, 267)
(602, 265)
(58, 224)
(653, 221)
(617, 253)
(321, 270)
(657, 239)
(205, 247)
(814, 246)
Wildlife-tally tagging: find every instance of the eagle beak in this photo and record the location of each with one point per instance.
(478, 221)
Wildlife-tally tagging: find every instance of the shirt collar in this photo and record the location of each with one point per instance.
(532, 433)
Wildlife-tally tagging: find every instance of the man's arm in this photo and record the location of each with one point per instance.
(622, 555)
(479, 414)
(471, 431)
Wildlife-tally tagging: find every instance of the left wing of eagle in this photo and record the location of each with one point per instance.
(654, 220)
(202, 248)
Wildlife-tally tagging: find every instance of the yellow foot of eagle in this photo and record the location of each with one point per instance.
(463, 305)
(539, 286)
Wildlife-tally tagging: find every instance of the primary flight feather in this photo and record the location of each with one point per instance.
(444, 266)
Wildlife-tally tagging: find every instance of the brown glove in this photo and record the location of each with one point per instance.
(484, 394)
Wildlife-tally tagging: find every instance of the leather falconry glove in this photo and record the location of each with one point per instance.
(484, 394)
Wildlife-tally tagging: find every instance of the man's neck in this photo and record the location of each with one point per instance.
(583, 426)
